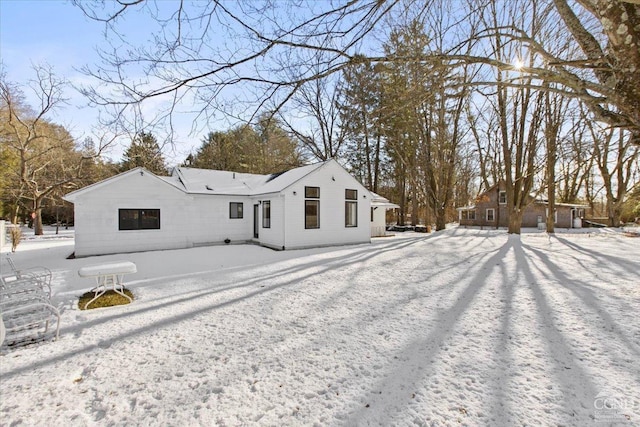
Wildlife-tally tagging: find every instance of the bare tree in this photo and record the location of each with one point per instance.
(315, 119)
(574, 161)
(187, 61)
(46, 159)
(615, 156)
(555, 107)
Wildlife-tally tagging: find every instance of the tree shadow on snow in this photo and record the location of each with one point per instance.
(261, 284)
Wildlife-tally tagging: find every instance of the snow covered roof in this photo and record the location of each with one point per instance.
(379, 201)
(280, 181)
(205, 181)
(70, 197)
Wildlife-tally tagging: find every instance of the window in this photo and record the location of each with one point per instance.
(138, 219)
(469, 214)
(235, 210)
(311, 207)
(502, 197)
(312, 192)
(312, 214)
(351, 208)
(351, 194)
(266, 214)
(491, 215)
(372, 209)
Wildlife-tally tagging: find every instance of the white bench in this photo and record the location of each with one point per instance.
(108, 275)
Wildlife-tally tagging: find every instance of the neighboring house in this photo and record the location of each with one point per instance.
(315, 205)
(379, 207)
(490, 210)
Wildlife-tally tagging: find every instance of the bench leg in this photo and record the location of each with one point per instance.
(118, 286)
(102, 282)
(99, 290)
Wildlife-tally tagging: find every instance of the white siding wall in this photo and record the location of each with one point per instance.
(379, 223)
(208, 219)
(96, 216)
(332, 229)
(272, 236)
(185, 220)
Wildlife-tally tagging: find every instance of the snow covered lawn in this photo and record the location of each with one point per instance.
(461, 327)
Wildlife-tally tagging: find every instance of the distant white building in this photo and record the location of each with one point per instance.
(315, 205)
(379, 206)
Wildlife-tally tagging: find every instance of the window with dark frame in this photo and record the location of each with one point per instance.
(311, 192)
(266, 214)
(311, 214)
(351, 208)
(312, 207)
(138, 219)
(236, 210)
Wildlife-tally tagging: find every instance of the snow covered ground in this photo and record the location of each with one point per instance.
(461, 327)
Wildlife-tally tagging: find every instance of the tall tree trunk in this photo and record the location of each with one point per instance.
(515, 221)
(441, 220)
(37, 220)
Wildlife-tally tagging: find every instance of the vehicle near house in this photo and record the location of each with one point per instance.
(314, 205)
(490, 210)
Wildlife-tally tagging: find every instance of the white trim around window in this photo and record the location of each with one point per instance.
(491, 215)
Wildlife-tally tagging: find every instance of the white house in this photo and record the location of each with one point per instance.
(315, 205)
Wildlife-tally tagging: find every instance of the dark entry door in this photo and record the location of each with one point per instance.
(256, 221)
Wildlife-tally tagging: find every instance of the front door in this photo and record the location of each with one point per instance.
(256, 221)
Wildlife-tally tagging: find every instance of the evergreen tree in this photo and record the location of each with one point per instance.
(265, 148)
(145, 152)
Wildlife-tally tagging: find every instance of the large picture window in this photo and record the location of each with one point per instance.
(266, 214)
(138, 219)
(235, 210)
(351, 208)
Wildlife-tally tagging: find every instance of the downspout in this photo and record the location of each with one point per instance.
(498, 208)
(284, 222)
